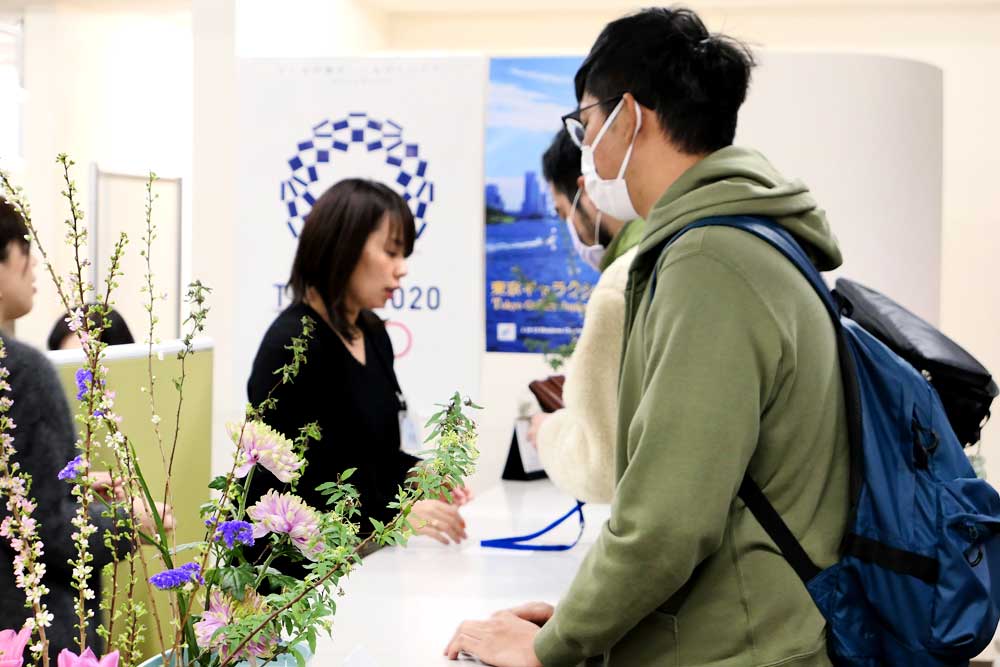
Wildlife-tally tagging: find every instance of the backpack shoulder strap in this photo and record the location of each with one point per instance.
(749, 492)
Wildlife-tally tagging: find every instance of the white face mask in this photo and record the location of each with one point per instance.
(591, 255)
(610, 195)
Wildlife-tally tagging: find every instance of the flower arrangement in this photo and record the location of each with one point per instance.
(225, 607)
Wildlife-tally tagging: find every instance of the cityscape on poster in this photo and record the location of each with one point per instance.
(535, 289)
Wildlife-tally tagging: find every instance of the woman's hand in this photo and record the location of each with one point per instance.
(460, 495)
(111, 490)
(438, 520)
(107, 487)
(145, 520)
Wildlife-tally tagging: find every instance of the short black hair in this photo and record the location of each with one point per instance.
(561, 164)
(333, 237)
(693, 80)
(561, 168)
(116, 333)
(12, 228)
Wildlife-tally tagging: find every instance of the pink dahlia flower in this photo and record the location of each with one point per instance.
(87, 659)
(287, 514)
(261, 444)
(12, 647)
(221, 612)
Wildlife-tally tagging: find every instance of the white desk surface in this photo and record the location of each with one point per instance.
(403, 605)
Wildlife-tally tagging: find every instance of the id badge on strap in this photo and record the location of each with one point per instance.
(410, 440)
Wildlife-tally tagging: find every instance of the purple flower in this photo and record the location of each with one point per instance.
(84, 379)
(177, 577)
(73, 469)
(233, 532)
(84, 383)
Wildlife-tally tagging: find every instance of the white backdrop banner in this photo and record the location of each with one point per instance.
(415, 124)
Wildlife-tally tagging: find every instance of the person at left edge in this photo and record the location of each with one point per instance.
(351, 255)
(44, 441)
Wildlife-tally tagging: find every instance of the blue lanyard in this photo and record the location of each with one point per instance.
(517, 543)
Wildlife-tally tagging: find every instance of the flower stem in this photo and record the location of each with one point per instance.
(263, 570)
(246, 491)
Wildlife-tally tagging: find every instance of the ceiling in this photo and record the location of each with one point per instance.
(10, 6)
(509, 6)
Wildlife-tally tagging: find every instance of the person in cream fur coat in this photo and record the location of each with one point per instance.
(576, 444)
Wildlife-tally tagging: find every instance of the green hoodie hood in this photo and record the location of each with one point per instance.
(740, 181)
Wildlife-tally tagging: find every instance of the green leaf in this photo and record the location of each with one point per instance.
(344, 476)
(235, 580)
(311, 638)
(299, 658)
(219, 483)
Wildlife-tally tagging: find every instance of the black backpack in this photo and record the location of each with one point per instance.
(965, 387)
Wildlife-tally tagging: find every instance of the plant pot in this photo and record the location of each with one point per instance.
(285, 660)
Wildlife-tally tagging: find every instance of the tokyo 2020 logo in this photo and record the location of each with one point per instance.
(314, 166)
(325, 157)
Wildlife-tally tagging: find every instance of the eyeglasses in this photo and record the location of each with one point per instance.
(574, 125)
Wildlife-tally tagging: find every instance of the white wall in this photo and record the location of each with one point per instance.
(307, 28)
(11, 94)
(213, 195)
(108, 85)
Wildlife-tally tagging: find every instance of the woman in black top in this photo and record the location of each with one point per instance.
(351, 256)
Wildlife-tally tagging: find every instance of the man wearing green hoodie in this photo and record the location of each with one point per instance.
(729, 368)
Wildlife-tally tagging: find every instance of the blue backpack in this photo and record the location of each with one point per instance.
(918, 580)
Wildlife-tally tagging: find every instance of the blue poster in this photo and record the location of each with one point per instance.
(536, 287)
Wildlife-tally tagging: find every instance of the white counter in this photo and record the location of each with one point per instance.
(403, 605)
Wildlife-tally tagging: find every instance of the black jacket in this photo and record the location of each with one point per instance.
(45, 441)
(356, 406)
